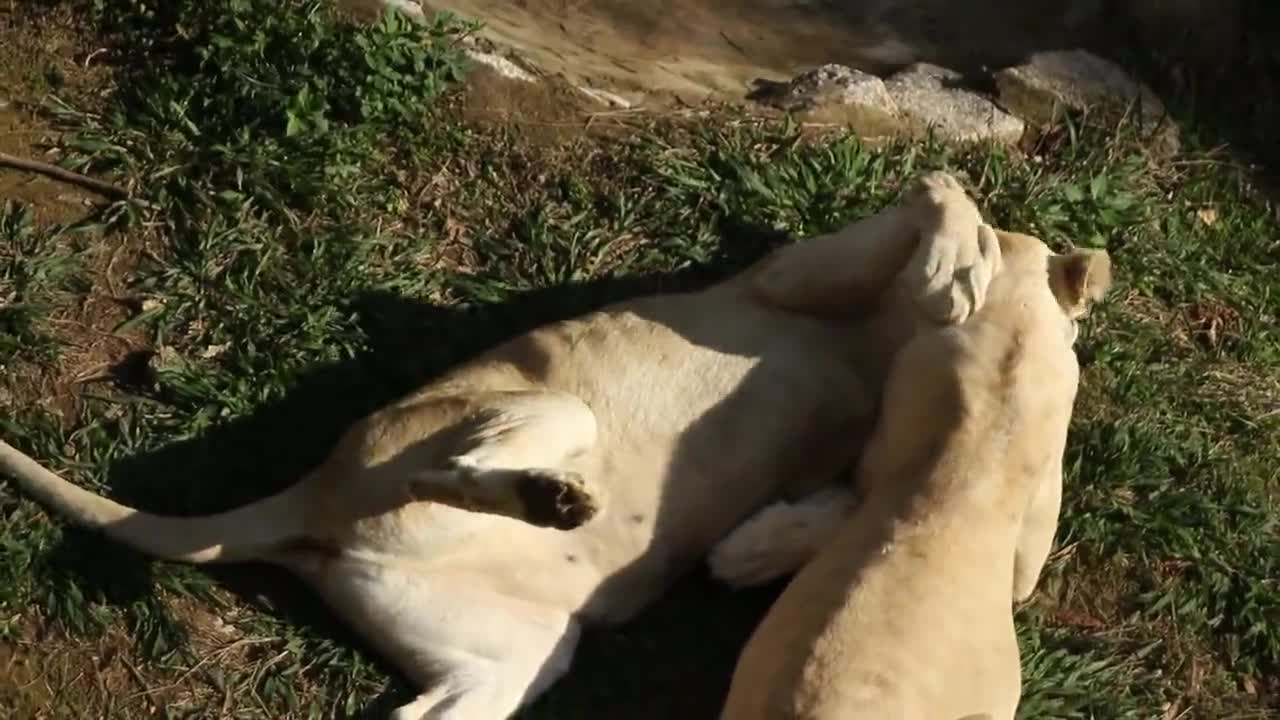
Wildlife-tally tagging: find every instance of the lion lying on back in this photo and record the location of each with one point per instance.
(643, 433)
(905, 612)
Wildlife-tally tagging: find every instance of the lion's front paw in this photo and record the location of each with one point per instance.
(751, 559)
(779, 539)
(957, 254)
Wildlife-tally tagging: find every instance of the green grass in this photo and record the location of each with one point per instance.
(34, 269)
(321, 234)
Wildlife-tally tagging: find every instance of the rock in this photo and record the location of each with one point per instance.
(501, 65)
(409, 7)
(824, 85)
(909, 103)
(606, 98)
(372, 10)
(1052, 82)
(835, 93)
(929, 96)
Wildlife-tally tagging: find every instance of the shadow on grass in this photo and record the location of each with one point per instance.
(1216, 67)
(674, 661)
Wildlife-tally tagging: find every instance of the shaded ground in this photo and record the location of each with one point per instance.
(1215, 65)
(283, 285)
(699, 49)
(690, 50)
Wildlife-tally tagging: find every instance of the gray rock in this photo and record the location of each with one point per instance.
(825, 85)
(1052, 82)
(835, 93)
(927, 97)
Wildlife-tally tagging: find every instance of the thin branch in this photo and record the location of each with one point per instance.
(43, 168)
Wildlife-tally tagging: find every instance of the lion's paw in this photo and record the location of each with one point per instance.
(957, 254)
(556, 499)
(779, 539)
(752, 554)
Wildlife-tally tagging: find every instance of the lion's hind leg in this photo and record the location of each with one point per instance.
(542, 497)
(474, 652)
(510, 460)
(505, 453)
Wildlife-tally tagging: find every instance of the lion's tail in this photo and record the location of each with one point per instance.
(246, 533)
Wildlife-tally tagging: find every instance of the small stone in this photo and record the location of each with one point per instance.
(606, 98)
(929, 97)
(410, 8)
(371, 10)
(502, 66)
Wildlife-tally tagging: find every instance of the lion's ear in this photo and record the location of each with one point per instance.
(1079, 279)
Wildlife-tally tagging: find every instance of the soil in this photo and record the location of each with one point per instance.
(550, 111)
(655, 51)
(47, 674)
(51, 57)
(688, 50)
(34, 66)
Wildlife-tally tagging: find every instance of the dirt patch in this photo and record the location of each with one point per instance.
(50, 53)
(687, 50)
(551, 111)
(92, 345)
(24, 136)
(47, 674)
(51, 676)
(47, 53)
(692, 50)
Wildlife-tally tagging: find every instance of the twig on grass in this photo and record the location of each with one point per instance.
(67, 176)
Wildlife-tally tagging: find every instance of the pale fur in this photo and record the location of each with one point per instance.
(661, 423)
(905, 611)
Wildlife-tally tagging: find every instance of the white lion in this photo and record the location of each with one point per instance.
(905, 612)
(652, 428)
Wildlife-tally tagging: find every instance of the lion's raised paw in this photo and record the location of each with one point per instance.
(957, 254)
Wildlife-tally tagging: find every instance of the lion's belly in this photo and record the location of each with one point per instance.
(697, 439)
(670, 492)
(693, 437)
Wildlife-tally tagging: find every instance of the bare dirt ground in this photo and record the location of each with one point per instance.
(691, 51)
(56, 61)
(694, 50)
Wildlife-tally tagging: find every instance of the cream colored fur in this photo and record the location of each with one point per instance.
(648, 430)
(905, 611)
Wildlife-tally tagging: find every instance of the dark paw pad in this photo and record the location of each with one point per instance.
(558, 500)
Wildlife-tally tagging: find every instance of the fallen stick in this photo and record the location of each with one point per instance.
(67, 176)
